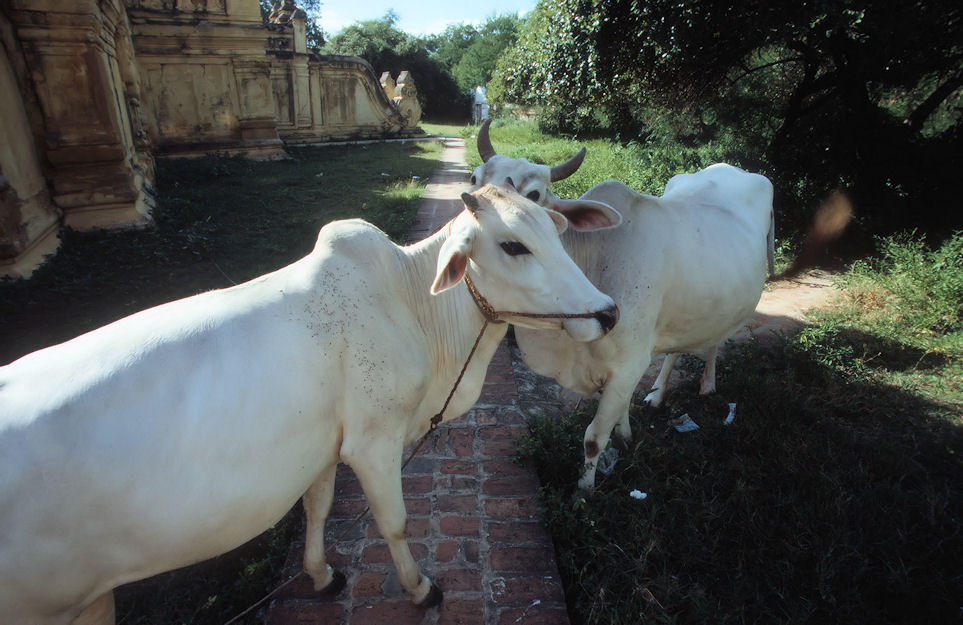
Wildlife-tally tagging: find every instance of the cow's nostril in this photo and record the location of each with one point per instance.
(607, 318)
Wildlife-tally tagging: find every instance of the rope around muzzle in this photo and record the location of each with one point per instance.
(491, 316)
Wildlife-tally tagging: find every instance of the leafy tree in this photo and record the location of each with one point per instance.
(389, 49)
(476, 65)
(864, 93)
(448, 47)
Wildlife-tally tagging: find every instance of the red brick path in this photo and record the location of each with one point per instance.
(473, 512)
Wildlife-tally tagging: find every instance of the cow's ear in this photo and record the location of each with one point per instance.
(452, 262)
(585, 215)
(560, 220)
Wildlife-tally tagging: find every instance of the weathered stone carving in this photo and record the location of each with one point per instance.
(388, 85)
(91, 90)
(283, 12)
(406, 99)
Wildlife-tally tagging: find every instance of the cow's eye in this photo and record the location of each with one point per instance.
(514, 248)
(473, 178)
(532, 195)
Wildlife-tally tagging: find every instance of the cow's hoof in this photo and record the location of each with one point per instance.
(336, 585)
(433, 597)
(580, 498)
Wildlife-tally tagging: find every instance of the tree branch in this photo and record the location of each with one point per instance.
(916, 119)
(750, 70)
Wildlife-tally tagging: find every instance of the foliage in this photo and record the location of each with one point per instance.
(476, 65)
(389, 49)
(833, 497)
(900, 318)
(855, 93)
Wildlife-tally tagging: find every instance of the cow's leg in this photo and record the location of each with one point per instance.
(657, 394)
(708, 383)
(100, 612)
(379, 471)
(317, 504)
(613, 407)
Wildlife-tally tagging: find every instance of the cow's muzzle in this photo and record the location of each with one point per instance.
(607, 318)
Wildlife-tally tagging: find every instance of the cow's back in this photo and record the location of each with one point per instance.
(686, 269)
(716, 270)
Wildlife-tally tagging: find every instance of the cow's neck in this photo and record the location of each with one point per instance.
(450, 320)
(584, 249)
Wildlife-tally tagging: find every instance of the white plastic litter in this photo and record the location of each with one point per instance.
(732, 415)
(684, 423)
(606, 461)
(637, 494)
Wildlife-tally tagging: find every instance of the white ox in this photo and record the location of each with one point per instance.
(686, 271)
(184, 430)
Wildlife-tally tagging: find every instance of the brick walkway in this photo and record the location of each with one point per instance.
(473, 513)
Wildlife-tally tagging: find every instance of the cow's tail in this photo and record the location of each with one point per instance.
(830, 220)
(771, 245)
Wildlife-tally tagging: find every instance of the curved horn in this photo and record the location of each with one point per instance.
(471, 202)
(567, 168)
(485, 149)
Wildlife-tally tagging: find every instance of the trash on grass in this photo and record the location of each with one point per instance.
(732, 415)
(606, 461)
(684, 423)
(637, 494)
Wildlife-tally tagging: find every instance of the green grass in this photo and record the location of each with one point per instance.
(443, 130)
(644, 167)
(835, 497)
(218, 221)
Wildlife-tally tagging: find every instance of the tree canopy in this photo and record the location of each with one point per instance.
(863, 93)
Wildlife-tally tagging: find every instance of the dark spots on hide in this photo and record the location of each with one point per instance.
(591, 449)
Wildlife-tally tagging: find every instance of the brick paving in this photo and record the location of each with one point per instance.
(473, 512)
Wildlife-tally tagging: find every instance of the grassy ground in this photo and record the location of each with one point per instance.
(443, 130)
(835, 496)
(218, 221)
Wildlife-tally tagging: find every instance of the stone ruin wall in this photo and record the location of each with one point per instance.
(92, 90)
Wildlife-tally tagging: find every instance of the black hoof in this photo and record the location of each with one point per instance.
(433, 598)
(336, 585)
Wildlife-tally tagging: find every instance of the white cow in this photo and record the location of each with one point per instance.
(686, 270)
(182, 431)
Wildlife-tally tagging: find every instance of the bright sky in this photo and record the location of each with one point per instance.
(417, 17)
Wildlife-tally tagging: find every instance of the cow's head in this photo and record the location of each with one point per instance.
(510, 248)
(533, 180)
